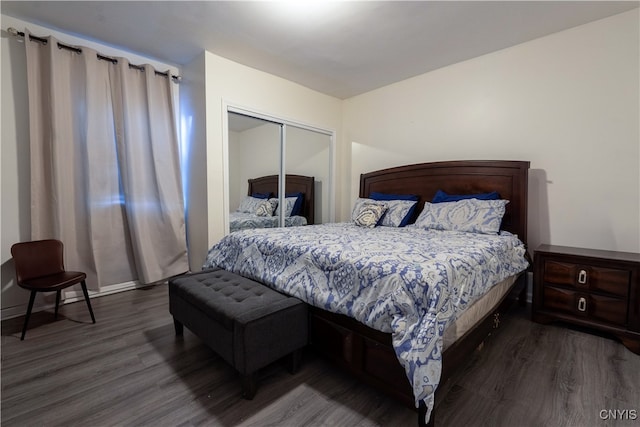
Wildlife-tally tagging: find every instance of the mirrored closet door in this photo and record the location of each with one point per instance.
(279, 173)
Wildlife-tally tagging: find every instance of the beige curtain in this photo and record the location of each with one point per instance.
(150, 171)
(79, 193)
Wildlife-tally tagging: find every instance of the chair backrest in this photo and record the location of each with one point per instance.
(37, 258)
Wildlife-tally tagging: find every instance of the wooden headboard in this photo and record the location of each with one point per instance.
(293, 184)
(508, 178)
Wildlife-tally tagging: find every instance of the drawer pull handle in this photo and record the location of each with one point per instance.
(582, 277)
(582, 304)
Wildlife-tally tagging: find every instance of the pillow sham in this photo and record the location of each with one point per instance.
(470, 215)
(297, 207)
(368, 213)
(441, 196)
(401, 208)
(399, 213)
(267, 207)
(358, 206)
(249, 204)
(289, 203)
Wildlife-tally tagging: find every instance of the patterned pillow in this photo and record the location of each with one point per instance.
(470, 215)
(393, 208)
(250, 204)
(367, 212)
(289, 203)
(267, 207)
(397, 212)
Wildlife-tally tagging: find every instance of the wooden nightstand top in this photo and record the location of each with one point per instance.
(590, 253)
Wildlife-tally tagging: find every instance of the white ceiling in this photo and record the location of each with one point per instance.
(341, 48)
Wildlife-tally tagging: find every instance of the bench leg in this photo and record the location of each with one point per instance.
(179, 327)
(249, 386)
(295, 360)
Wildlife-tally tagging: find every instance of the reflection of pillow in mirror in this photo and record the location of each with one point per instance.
(297, 207)
(267, 207)
(470, 215)
(289, 203)
(249, 204)
(368, 213)
(261, 195)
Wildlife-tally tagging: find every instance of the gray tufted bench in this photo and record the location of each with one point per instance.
(248, 324)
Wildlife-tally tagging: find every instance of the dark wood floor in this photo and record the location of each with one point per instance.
(130, 370)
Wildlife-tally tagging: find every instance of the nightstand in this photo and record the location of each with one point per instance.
(589, 288)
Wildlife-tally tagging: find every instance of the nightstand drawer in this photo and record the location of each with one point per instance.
(610, 310)
(594, 278)
(558, 299)
(579, 304)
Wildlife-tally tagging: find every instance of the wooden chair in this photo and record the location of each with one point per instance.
(40, 268)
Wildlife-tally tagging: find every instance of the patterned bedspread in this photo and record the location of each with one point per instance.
(408, 281)
(246, 221)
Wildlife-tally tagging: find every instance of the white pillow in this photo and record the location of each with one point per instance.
(267, 207)
(250, 204)
(470, 215)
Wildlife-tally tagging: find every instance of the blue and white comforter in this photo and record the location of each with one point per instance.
(408, 281)
(246, 221)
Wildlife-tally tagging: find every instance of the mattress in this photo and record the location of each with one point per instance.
(473, 314)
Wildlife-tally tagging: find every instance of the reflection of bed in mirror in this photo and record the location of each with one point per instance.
(246, 217)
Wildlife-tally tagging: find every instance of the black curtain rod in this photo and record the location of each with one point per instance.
(103, 57)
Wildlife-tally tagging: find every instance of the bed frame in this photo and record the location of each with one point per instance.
(293, 184)
(367, 353)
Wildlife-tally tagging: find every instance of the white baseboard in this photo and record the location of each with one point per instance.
(71, 296)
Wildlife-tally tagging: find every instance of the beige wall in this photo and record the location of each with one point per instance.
(230, 83)
(257, 154)
(195, 116)
(569, 103)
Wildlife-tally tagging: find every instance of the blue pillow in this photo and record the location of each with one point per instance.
(297, 207)
(441, 196)
(261, 195)
(386, 196)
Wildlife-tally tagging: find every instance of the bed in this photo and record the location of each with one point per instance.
(392, 331)
(246, 218)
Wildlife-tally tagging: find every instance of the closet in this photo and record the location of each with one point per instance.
(260, 145)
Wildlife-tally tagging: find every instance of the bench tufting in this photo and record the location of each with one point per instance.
(248, 324)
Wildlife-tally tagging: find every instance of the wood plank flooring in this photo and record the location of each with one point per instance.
(129, 369)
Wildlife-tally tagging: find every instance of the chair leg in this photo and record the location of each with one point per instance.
(26, 318)
(86, 298)
(55, 316)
